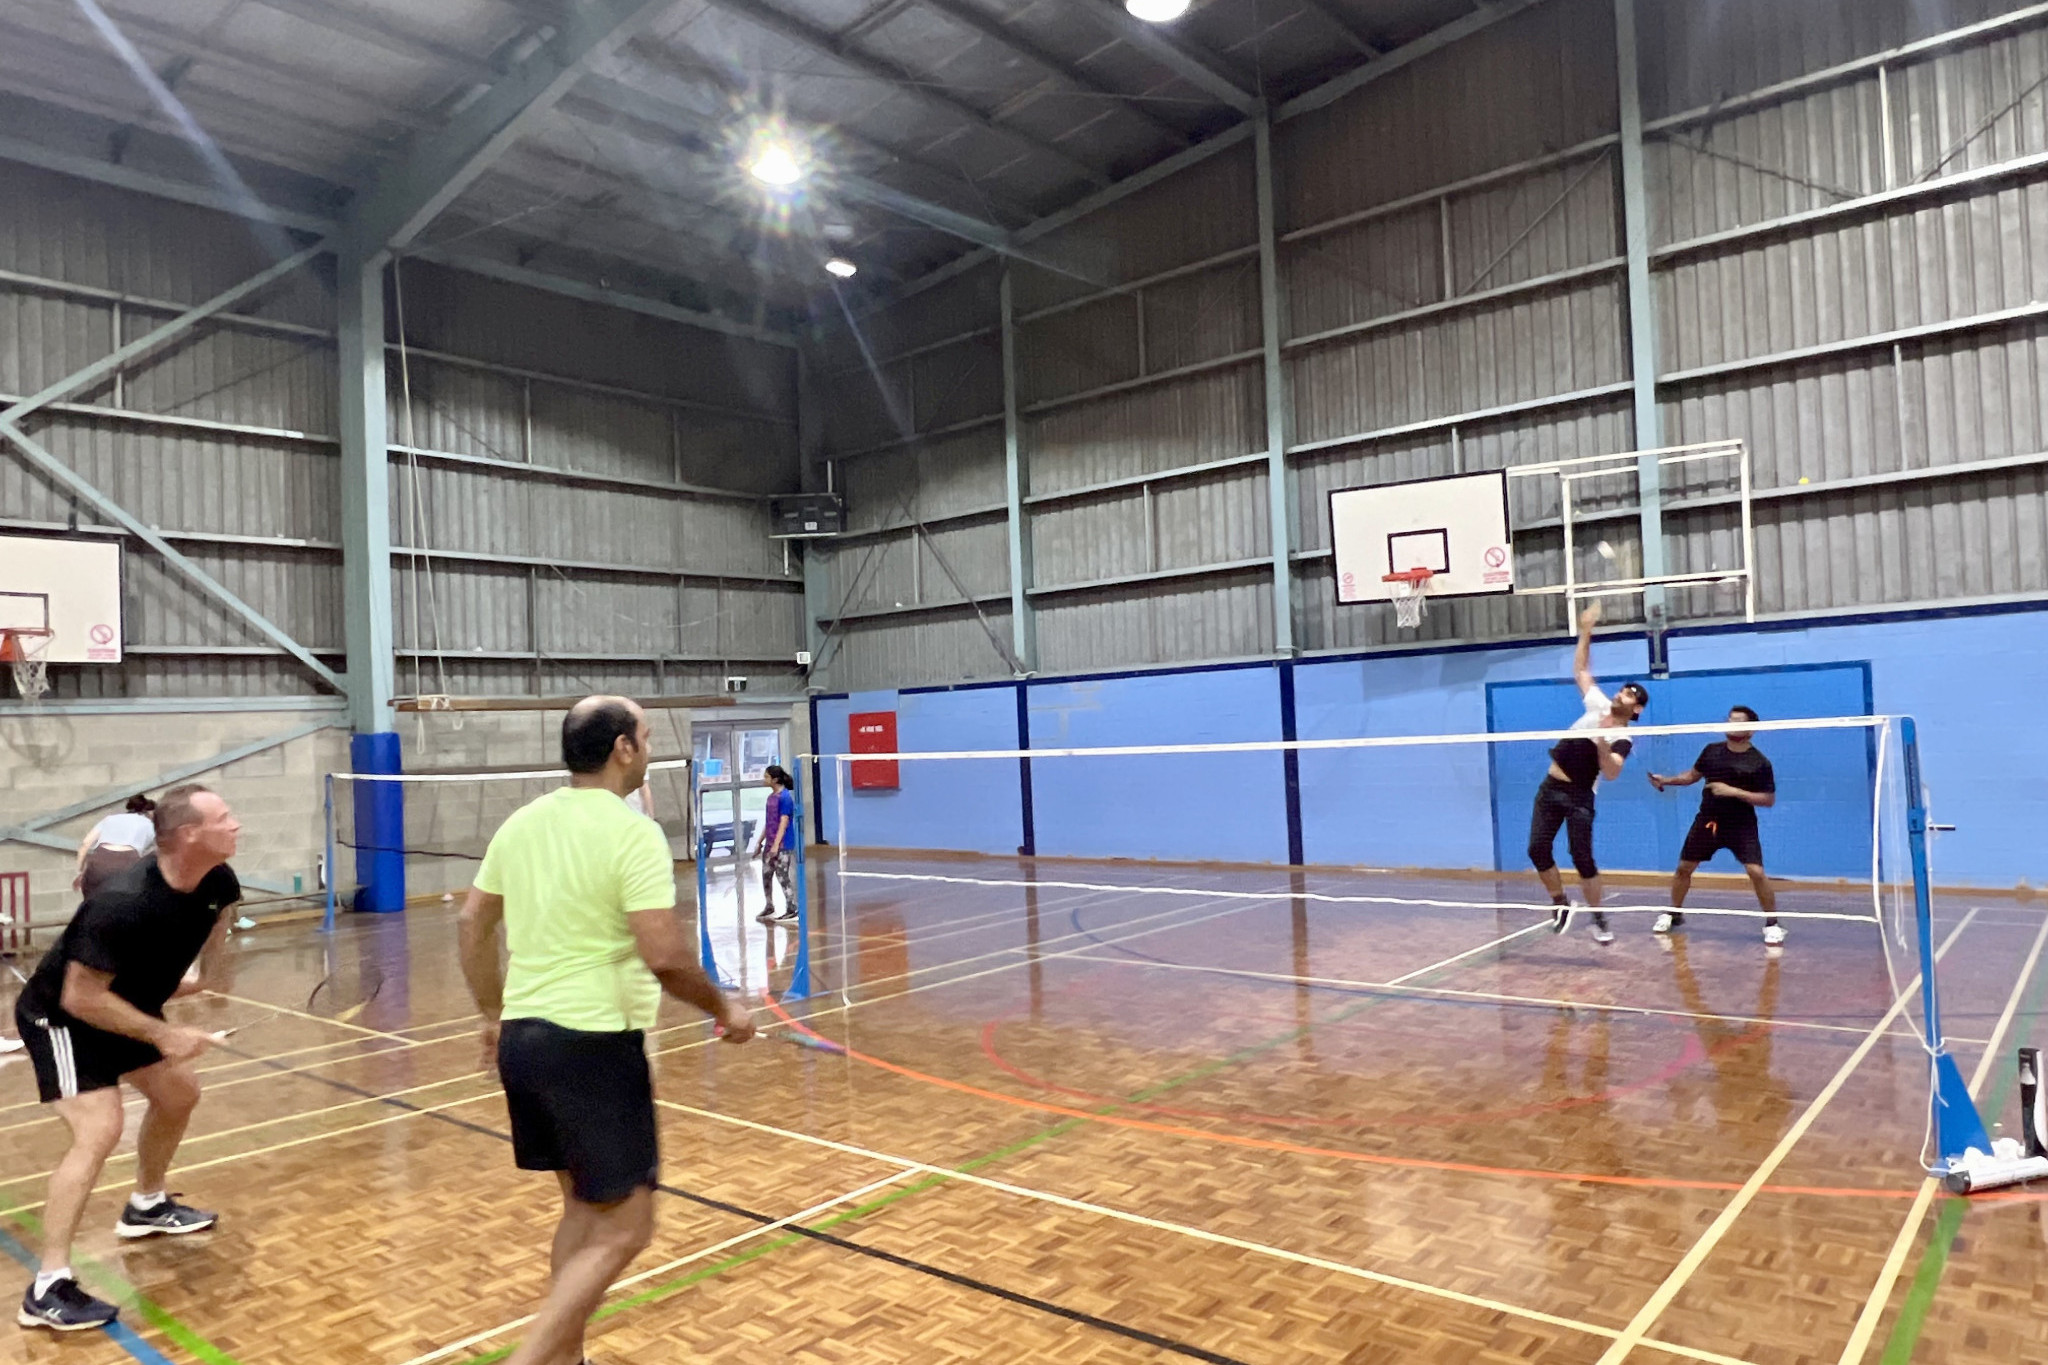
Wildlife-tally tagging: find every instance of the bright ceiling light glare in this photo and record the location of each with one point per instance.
(844, 269)
(1157, 11)
(773, 163)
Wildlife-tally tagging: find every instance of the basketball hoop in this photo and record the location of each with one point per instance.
(1411, 603)
(26, 649)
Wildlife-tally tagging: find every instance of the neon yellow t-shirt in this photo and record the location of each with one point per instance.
(571, 866)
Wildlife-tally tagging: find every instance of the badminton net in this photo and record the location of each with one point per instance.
(448, 818)
(1438, 822)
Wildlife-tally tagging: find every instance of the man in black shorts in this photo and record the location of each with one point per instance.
(93, 1017)
(1739, 781)
(1565, 800)
(586, 890)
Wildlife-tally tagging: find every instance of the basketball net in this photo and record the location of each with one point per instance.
(1411, 603)
(27, 654)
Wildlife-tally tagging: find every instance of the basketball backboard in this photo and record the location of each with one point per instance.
(1455, 526)
(71, 585)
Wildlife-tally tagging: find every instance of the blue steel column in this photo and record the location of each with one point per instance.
(366, 580)
(1277, 423)
(1642, 309)
(1016, 487)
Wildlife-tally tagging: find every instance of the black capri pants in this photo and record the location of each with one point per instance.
(1562, 804)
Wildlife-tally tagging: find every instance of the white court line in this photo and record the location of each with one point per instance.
(1632, 1336)
(478, 1338)
(231, 1157)
(1895, 1260)
(1323, 897)
(1198, 1234)
(315, 1018)
(1289, 979)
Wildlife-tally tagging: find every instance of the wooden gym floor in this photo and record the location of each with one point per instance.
(1045, 1123)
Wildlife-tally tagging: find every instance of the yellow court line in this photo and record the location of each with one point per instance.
(1895, 1259)
(478, 1338)
(1288, 978)
(1646, 1316)
(1198, 1234)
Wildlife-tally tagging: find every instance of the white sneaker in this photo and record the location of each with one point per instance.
(1774, 934)
(1601, 933)
(1666, 922)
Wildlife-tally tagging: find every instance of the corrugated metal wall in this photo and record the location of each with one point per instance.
(1848, 274)
(223, 441)
(557, 502)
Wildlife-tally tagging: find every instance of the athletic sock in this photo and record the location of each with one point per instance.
(143, 1203)
(1599, 920)
(1558, 899)
(46, 1278)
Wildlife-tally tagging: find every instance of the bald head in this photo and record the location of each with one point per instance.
(593, 730)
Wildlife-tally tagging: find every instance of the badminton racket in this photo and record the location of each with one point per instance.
(345, 992)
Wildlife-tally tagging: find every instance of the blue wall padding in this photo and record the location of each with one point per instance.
(1198, 807)
(1820, 826)
(379, 822)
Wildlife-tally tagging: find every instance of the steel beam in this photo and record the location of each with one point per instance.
(365, 495)
(169, 777)
(590, 293)
(411, 194)
(1642, 309)
(1485, 15)
(1016, 487)
(63, 474)
(1277, 423)
(1198, 69)
(1355, 79)
(157, 337)
(1012, 40)
(826, 44)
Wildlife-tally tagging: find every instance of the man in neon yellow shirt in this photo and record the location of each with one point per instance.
(587, 893)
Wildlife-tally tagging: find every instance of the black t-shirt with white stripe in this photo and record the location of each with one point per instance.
(140, 929)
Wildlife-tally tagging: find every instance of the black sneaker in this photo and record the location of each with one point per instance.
(64, 1307)
(1560, 918)
(168, 1219)
(788, 915)
(765, 915)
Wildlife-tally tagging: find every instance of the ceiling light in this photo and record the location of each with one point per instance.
(844, 269)
(1157, 11)
(773, 163)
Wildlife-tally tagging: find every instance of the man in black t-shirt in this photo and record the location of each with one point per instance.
(1739, 781)
(1565, 798)
(92, 1017)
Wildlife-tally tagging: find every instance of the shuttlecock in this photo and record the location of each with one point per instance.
(1604, 550)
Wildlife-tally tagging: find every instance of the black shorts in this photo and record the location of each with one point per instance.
(72, 1058)
(1707, 836)
(582, 1103)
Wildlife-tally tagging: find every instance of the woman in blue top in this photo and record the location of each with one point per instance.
(777, 847)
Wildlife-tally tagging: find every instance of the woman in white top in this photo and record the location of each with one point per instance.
(114, 844)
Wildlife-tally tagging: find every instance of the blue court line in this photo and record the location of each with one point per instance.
(119, 1331)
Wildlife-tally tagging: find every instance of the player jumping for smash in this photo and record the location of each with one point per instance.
(1739, 780)
(1566, 796)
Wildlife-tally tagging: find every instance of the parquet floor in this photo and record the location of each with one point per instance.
(1053, 1123)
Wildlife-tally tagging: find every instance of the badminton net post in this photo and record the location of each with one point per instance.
(1957, 1125)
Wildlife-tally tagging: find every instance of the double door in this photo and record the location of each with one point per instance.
(732, 760)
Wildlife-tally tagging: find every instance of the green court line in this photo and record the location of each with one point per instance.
(669, 1288)
(1920, 1296)
(153, 1313)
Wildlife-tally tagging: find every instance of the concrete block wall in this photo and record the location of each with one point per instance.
(60, 757)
